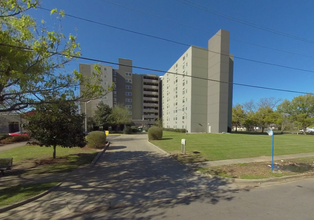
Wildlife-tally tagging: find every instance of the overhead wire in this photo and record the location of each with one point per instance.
(164, 71)
(179, 43)
(212, 11)
(201, 29)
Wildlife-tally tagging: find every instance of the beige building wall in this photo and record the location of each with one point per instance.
(139, 93)
(189, 99)
(106, 81)
(220, 68)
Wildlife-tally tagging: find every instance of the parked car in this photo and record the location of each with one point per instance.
(23, 133)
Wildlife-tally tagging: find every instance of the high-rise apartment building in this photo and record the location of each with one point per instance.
(139, 93)
(197, 89)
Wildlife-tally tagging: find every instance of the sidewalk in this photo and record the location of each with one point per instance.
(12, 146)
(250, 160)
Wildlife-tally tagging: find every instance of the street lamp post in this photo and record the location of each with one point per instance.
(86, 116)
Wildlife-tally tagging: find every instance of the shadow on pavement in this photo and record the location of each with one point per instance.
(129, 184)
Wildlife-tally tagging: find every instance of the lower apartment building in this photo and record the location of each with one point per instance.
(139, 93)
(197, 89)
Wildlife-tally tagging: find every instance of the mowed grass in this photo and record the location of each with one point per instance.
(37, 152)
(232, 146)
(38, 160)
(19, 193)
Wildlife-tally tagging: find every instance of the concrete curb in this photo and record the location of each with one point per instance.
(15, 205)
(99, 155)
(258, 182)
(165, 152)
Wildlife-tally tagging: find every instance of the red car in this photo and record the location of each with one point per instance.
(23, 133)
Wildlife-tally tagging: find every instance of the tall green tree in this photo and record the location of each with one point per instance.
(238, 116)
(33, 58)
(57, 125)
(103, 115)
(264, 117)
(300, 110)
(121, 115)
(250, 121)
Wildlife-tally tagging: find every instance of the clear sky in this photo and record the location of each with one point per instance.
(288, 42)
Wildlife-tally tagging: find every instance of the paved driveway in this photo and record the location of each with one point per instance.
(132, 173)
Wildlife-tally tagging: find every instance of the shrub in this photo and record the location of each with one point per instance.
(134, 129)
(96, 139)
(14, 139)
(20, 138)
(4, 136)
(175, 130)
(127, 130)
(154, 133)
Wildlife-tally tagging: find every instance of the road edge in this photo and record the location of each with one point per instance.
(15, 205)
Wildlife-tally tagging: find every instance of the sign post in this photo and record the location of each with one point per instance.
(183, 146)
(271, 133)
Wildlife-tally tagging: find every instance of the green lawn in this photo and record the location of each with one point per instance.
(67, 159)
(230, 146)
(37, 152)
(19, 193)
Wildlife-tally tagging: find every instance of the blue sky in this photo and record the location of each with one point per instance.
(177, 21)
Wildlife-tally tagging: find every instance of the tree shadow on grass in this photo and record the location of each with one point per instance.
(166, 138)
(141, 180)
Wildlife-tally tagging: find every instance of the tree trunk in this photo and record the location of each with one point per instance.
(262, 129)
(236, 128)
(54, 152)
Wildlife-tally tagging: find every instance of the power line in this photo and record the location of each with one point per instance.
(202, 7)
(163, 71)
(201, 29)
(180, 43)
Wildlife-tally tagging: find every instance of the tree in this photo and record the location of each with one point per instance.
(270, 102)
(159, 123)
(33, 60)
(238, 116)
(300, 110)
(57, 125)
(121, 115)
(265, 116)
(250, 121)
(103, 115)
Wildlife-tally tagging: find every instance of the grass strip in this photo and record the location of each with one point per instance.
(19, 193)
(236, 145)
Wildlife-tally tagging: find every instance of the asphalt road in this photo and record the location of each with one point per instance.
(134, 180)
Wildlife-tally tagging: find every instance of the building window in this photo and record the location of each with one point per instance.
(128, 80)
(128, 100)
(128, 87)
(182, 117)
(128, 93)
(115, 92)
(130, 113)
(114, 99)
(128, 74)
(129, 106)
(114, 79)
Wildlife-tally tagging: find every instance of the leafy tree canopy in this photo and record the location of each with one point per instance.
(33, 58)
(121, 115)
(103, 114)
(57, 124)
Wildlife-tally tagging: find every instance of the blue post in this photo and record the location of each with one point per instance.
(272, 153)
